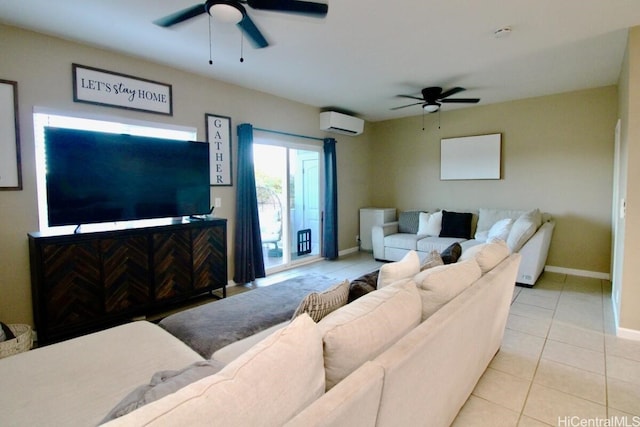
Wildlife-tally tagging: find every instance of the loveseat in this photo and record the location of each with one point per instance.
(526, 232)
(408, 353)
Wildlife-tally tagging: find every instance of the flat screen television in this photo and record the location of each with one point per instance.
(94, 177)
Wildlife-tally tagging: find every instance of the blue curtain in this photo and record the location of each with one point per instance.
(248, 261)
(330, 224)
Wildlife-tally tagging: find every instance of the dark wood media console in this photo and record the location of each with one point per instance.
(89, 281)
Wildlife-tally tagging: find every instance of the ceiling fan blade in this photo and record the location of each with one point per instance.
(181, 16)
(462, 100)
(451, 91)
(291, 6)
(410, 97)
(252, 32)
(405, 106)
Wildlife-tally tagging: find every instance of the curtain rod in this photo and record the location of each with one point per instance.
(288, 134)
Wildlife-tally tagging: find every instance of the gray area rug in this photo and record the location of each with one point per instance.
(211, 326)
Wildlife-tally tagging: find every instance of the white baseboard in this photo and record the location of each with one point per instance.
(348, 251)
(576, 272)
(628, 334)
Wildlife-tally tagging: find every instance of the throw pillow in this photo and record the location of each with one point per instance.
(363, 285)
(394, 271)
(430, 224)
(423, 220)
(523, 228)
(408, 222)
(452, 253)
(439, 285)
(319, 304)
(456, 224)
(162, 384)
(433, 259)
(487, 255)
(365, 328)
(500, 230)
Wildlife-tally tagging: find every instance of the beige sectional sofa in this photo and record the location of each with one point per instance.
(527, 232)
(409, 353)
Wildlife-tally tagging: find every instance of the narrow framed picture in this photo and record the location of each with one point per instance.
(10, 163)
(219, 139)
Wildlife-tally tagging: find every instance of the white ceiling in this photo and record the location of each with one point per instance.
(365, 52)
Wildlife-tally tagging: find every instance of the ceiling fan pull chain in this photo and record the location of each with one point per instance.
(210, 47)
(241, 47)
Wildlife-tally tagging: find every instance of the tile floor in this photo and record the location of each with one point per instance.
(560, 363)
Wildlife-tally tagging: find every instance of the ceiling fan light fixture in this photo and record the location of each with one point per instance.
(431, 107)
(226, 12)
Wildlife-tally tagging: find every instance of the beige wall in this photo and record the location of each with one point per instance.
(629, 232)
(42, 67)
(557, 155)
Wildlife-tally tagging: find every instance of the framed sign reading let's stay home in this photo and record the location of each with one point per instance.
(95, 86)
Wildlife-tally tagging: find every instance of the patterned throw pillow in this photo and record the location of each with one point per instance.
(408, 222)
(319, 304)
(433, 259)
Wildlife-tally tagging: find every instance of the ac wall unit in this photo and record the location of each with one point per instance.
(332, 121)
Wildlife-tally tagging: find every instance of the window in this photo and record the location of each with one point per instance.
(43, 117)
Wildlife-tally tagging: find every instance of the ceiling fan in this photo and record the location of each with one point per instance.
(234, 11)
(433, 97)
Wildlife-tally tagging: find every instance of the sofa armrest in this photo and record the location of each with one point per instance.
(378, 233)
(534, 254)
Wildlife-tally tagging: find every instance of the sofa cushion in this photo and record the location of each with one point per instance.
(487, 255)
(408, 222)
(451, 254)
(488, 217)
(394, 271)
(500, 230)
(523, 228)
(439, 285)
(430, 224)
(365, 328)
(428, 244)
(287, 367)
(456, 224)
(319, 304)
(402, 241)
(433, 259)
(481, 236)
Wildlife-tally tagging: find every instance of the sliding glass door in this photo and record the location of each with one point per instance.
(288, 189)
